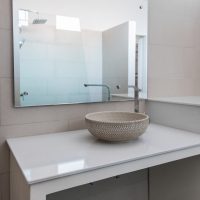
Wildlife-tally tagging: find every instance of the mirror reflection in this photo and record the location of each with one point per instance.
(79, 51)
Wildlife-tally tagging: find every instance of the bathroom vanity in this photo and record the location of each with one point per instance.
(46, 164)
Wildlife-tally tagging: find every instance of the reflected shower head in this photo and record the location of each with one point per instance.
(39, 21)
(21, 43)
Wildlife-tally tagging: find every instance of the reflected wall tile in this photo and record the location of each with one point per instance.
(92, 38)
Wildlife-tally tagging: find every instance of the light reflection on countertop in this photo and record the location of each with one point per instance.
(43, 172)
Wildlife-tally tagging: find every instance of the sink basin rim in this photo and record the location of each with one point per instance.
(89, 117)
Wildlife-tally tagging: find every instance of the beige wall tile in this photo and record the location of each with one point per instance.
(33, 129)
(173, 64)
(77, 124)
(6, 56)
(163, 29)
(4, 186)
(4, 158)
(165, 61)
(129, 106)
(171, 87)
(167, 7)
(5, 14)
(25, 130)
(98, 107)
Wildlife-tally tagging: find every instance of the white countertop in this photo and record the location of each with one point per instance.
(127, 96)
(185, 100)
(50, 156)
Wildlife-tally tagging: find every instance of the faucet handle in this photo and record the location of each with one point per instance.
(138, 89)
(135, 88)
(24, 94)
(118, 87)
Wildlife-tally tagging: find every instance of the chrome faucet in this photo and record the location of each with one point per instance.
(137, 90)
(100, 85)
(136, 96)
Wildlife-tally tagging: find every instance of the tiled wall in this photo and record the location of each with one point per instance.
(174, 48)
(31, 121)
(174, 35)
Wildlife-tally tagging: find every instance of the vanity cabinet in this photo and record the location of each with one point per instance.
(127, 187)
(73, 164)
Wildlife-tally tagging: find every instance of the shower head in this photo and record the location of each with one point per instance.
(39, 21)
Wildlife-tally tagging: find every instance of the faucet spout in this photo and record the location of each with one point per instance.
(100, 85)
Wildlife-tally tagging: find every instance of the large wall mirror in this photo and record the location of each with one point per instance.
(79, 51)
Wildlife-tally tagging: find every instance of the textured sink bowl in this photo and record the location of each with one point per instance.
(116, 126)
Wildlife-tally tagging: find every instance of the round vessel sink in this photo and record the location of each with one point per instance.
(117, 126)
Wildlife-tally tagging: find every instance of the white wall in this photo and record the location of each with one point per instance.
(174, 48)
(119, 57)
(115, 58)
